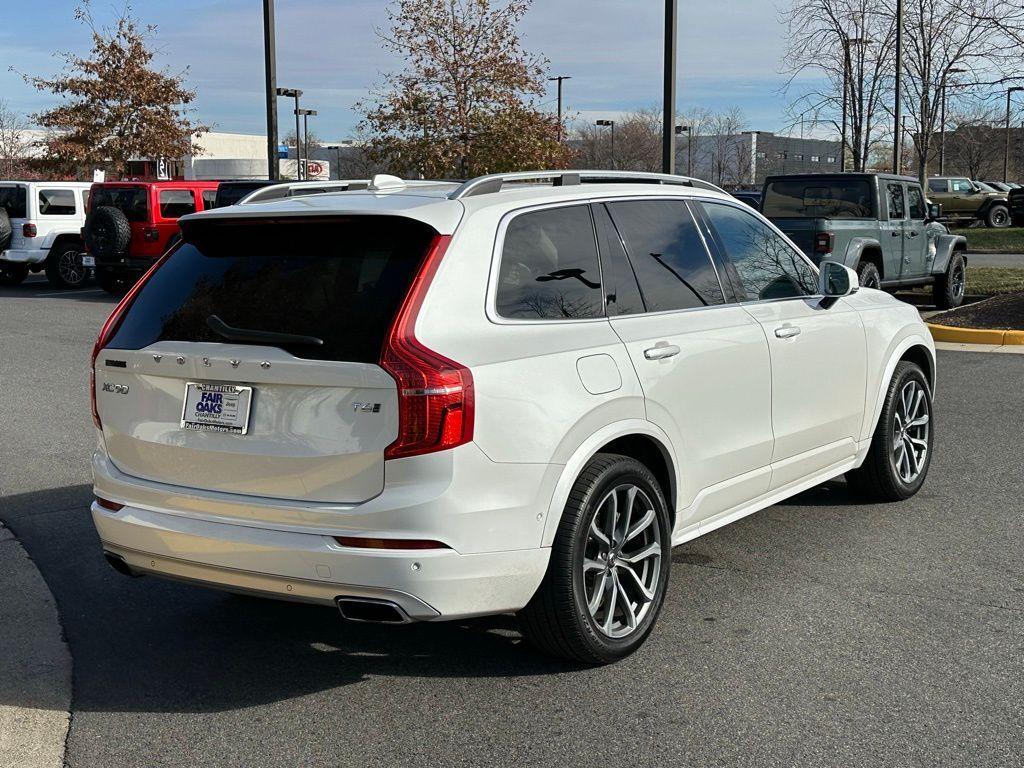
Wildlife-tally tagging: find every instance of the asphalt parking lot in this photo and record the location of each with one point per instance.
(817, 632)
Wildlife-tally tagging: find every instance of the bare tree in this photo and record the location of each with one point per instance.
(723, 149)
(637, 143)
(14, 141)
(973, 146)
(837, 42)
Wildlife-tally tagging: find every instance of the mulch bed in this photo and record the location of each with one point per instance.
(1000, 313)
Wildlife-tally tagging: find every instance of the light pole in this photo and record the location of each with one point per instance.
(337, 151)
(688, 130)
(294, 93)
(306, 114)
(270, 62)
(1006, 155)
(560, 78)
(942, 119)
(668, 120)
(610, 124)
(847, 42)
(903, 148)
(897, 123)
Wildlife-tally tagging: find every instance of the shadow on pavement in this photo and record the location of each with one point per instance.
(89, 293)
(150, 645)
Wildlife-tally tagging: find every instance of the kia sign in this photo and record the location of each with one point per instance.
(316, 170)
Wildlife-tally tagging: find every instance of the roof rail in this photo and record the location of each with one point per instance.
(485, 185)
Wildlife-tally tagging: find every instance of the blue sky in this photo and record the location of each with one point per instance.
(729, 54)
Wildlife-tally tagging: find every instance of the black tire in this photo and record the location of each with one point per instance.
(557, 619)
(5, 230)
(879, 478)
(12, 274)
(949, 288)
(998, 217)
(107, 233)
(868, 275)
(112, 283)
(64, 266)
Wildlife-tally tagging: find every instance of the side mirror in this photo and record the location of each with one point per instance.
(836, 280)
(934, 211)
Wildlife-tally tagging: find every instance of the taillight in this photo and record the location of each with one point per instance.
(435, 394)
(823, 242)
(151, 234)
(28, 230)
(107, 333)
(113, 506)
(359, 542)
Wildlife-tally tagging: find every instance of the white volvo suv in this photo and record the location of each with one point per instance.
(516, 394)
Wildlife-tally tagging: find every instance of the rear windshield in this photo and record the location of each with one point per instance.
(338, 280)
(132, 201)
(13, 200)
(818, 199)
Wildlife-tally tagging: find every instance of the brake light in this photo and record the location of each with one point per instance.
(107, 333)
(113, 506)
(435, 394)
(363, 543)
(151, 234)
(823, 242)
(28, 230)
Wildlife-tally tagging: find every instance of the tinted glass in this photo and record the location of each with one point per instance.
(230, 192)
(895, 201)
(918, 210)
(340, 281)
(132, 201)
(209, 199)
(937, 185)
(549, 266)
(175, 203)
(14, 200)
(56, 202)
(767, 266)
(818, 199)
(669, 258)
(622, 296)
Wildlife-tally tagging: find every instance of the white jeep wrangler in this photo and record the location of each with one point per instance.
(40, 229)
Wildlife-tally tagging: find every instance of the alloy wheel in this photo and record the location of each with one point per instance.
(957, 280)
(622, 561)
(910, 432)
(69, 266)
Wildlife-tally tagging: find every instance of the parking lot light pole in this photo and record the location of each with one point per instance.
(668, 120)
(560, 78)
(1006, 154)
(688, 130)
(942, 118)
(306, 114)
(294, 93)
(270, 62)
(610, 124)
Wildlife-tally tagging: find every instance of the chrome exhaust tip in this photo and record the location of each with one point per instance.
(366, 610)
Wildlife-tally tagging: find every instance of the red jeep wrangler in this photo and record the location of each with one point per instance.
(132, 223)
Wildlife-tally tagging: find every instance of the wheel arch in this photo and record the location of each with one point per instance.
(635, 438)
(865, 249)
(914, 348)
(66, 238)
(945, 246)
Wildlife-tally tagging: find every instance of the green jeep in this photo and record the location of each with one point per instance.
(877, 224)
(963, 200)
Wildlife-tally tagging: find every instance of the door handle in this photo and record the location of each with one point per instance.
(896, 233)
(661, 351)
(912, 234)
(787, 331)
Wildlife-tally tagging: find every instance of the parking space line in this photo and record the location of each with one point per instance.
(70, 293)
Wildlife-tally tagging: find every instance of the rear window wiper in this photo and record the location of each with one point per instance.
(251, 335)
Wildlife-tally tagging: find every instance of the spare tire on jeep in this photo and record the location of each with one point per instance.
(107, 233)
(5, 230)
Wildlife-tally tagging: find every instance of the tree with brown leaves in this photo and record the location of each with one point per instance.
(466, 102)
(114, 106)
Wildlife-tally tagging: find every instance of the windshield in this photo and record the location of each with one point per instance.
(13, 200)
(818, 199)
(132, 201)
(325, 290)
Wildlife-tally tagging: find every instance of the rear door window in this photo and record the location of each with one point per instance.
(337, 280)
(175, 203)
(549, 267)
(896, 202)
(133, 202)
(767, 266)
(56, 202)
(667, 254)
(937, 185)
(622, 294)
(14, 200)
(918, 210)
(817, 198)
(209, 199)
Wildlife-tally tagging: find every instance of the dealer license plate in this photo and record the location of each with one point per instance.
(216, 408)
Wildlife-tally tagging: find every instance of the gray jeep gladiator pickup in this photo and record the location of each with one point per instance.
(878, 224)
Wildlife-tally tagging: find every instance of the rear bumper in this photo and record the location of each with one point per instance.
(126, 265)
(309, 567)
(25, 255)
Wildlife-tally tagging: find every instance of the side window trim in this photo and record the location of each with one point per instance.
(716, 252)
(602, 254)
(796, 251)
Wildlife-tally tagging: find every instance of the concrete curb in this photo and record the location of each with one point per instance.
(35, 665)
(975, 335)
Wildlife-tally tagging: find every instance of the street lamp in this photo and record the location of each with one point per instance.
(668, 120)
(293, 93)
(610, 124)
(688, 130)
(306, 113)
(897, 158)
(847, 42)
(270, 71)
(1006, 156)
(942, 119)
(559, 79)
